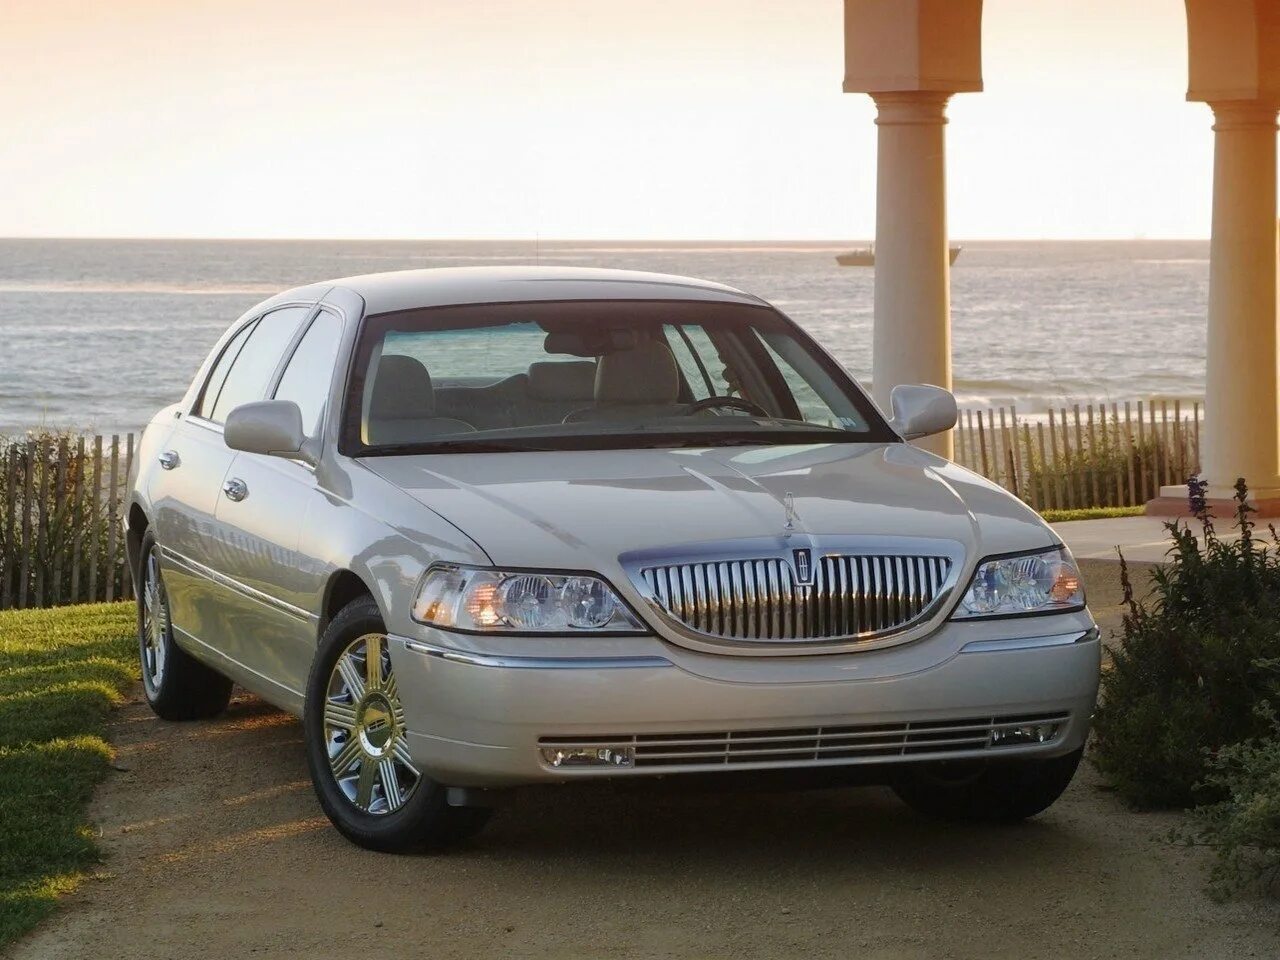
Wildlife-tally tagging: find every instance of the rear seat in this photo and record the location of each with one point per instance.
(547, 393)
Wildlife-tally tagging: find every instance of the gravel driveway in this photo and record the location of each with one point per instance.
(216, 848)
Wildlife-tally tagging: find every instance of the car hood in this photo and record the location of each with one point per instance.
(580, 510)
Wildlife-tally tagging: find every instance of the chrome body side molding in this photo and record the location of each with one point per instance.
(533, 663)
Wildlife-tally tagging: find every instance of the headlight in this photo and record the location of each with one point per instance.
(1029, 583)
(481, 599)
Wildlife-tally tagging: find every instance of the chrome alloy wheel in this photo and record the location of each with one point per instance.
(364, 729)
(155, 624)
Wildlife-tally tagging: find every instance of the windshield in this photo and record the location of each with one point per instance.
(561, 375)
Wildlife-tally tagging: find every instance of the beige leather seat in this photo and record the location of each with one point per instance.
(562, 381)
(634, 384)
(402, 406)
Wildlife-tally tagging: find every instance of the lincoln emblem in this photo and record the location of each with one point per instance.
(804, 573)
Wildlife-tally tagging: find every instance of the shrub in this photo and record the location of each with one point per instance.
(1196, 658)
(1244, 827)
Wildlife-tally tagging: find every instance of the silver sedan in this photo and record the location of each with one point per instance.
(489, 527)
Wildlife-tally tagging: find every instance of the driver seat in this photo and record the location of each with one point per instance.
(633, 384)
(402, 406)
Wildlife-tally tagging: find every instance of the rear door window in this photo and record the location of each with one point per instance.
(218, 376)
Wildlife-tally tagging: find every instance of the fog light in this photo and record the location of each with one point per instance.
(586, 756)
(1028, 733)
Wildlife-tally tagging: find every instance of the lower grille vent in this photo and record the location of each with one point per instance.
(811, 744)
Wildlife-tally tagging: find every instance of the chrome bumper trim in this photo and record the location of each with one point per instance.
(1031, 643)
(534, 663)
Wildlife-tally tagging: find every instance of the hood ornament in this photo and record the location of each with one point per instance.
(789, 504)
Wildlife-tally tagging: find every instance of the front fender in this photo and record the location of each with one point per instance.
(389, 550)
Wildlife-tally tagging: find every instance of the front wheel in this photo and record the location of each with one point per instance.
(358, 753)
(984, 791)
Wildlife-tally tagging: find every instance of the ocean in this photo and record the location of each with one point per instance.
(95, 335)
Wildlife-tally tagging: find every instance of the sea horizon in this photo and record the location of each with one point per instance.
(101, 332)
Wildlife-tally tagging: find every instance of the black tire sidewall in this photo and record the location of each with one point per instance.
(1004, 792)
(190, 689)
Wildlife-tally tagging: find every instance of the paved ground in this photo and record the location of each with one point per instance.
(216, 848)
(1142, 538)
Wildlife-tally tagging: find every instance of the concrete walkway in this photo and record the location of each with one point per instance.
(1143, 539)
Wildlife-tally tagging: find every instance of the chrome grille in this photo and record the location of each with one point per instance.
(760, 599)
(809, 745)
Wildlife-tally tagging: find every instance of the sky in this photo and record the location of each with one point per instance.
(585, 119)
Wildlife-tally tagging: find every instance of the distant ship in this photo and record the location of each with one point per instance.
(866, 257)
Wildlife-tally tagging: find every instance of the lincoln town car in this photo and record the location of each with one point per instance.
(489, 527)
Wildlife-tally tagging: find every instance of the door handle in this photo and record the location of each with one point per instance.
(235, 489)
(169, 459)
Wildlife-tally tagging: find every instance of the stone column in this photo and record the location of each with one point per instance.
(1234, 66)
(1242, 431)
(911, 56)
(912, 339)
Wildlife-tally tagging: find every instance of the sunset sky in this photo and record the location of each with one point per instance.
(571, 118)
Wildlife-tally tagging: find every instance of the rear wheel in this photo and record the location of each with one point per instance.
(176, 684)
(358, 752)
(984, 791)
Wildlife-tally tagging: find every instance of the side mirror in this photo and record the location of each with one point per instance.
(270, 427)
(921, 410)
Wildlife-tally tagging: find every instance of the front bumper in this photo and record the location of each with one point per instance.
(482, 719)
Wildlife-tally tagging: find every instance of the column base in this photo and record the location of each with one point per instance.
(1220, 501)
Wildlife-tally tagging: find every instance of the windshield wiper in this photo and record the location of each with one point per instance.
(762, 438)
(461, 446)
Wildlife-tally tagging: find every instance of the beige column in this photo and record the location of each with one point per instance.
(1242, 431)
(1233, 59)
(911, 56)
(912, 339)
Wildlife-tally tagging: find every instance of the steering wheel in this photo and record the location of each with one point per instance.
(735, 403)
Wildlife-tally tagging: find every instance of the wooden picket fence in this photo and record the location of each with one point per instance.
(61, 540)
(1095, 455)
(61, 496)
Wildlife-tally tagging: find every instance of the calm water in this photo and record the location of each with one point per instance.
(99, 334)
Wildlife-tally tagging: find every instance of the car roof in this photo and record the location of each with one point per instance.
(444, 286)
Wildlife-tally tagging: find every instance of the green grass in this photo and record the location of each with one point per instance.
(1090, 513)
(61, 672)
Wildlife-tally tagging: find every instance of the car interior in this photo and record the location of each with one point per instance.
(639, 380)
(428, 381)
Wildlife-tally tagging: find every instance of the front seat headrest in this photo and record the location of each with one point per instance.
(401, 390)
(562, 380)
(647, 373)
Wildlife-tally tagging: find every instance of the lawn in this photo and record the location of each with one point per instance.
(1091, 513)
(61, 672)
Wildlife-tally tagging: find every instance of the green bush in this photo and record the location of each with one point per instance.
(1244, 828)
(1195, 660)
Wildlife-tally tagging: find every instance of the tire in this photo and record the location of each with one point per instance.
(176, 684)
(357, 751)
(984, 791)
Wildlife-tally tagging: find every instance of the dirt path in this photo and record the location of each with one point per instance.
(216, 848)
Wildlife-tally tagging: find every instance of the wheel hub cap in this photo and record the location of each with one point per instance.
(375, 725)
(364, 729)
(155, 623)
